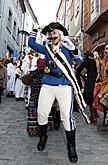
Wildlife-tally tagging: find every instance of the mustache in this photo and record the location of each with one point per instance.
(52, 38)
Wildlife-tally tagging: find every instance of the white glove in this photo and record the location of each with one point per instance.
(67, 43)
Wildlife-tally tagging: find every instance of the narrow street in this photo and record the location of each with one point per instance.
(17, 148)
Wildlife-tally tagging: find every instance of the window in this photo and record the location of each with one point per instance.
(17, 4)
(9, 23)
(18, 37)
(97, 6)
(77, 10)
(95, 9)
(92, 6)
(72, 10)
(14, 30)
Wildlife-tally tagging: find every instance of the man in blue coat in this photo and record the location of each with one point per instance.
(58, 82)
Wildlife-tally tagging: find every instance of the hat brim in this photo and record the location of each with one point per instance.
(54, 25)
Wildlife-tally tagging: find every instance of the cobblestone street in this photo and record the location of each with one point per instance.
(17, 148)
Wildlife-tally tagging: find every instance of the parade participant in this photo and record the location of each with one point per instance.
(3, 78)
(99, 65)
(58, 82)
(10, 78)
(104, 65)
(32, 125)
(32, 85)
(91, 70)
(100, 86)
(28, 64)
(54, 117)
(19, 86)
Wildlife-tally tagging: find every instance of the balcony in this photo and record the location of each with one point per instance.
(102, 19)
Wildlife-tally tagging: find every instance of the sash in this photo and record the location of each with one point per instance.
(63, 64)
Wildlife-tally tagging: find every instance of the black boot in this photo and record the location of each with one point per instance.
(43, 137)
(71, 146)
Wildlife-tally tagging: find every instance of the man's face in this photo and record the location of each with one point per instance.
(106, 53)
(54, 36)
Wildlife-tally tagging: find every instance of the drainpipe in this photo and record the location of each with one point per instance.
(82, 28)
(22, 34)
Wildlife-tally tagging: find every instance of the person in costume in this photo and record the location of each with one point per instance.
(98, 65)
(91, 70)
(104, 65)
(11, 75)
(32, 88)
(28, 64)
(101, 88)
(3, 78)
(58, 82)
(19, 86)
(36, 75)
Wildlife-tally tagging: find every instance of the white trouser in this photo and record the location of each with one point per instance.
(64, 95)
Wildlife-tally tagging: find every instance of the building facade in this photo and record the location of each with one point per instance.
(95, 15)
(75, 22)
(70, 15)
(61, 14)
(11, 21)
(16, 21)
(30, 20)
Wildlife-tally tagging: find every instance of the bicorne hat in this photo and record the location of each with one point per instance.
(54, 25)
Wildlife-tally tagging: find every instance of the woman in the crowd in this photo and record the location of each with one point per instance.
(100, 89)
(35, 76)
(28, 64)
(3, 78)
(99, 65)
(91, 70)
(19, 86)
(11, 75)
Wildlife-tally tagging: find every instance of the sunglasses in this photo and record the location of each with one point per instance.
(52, 38)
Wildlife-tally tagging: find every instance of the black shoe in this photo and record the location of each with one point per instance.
(21, 98)
(8, 95)
(17, 99)
(72, 155)
(41, 144)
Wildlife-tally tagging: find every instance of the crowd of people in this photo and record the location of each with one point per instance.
(95, 85)
(100, 103)
(50, 78)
